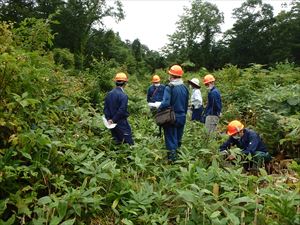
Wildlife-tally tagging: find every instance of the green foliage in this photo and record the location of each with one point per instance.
(63, 57)
(60, 166)
(34, 34)
(6, 37)
(195, 34)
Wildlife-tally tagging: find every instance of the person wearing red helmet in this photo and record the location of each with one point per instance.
(248, 141)
(115, 111)
(176, 96)
(214, 104)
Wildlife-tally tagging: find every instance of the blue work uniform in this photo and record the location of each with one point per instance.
(177, 97)
(214, 103)
(155, 94)
(115, 109)
(250, 143)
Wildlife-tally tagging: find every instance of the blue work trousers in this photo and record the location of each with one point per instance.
(197, 113)
(122, 133)
(173, 135)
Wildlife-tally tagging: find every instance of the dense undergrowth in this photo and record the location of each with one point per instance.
(58, 164)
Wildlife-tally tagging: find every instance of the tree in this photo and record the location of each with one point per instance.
(286, 35)
(250, 38)
(76, 20)
(195, 32)
(16, 10)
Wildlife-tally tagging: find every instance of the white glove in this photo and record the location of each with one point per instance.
(224, 152)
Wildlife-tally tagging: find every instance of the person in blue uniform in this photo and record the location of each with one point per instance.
(248, 141)
(115, 111)
(176, 95)
(155, 92)
(213, 108)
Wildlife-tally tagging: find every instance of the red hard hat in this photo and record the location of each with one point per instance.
(234, 127)
(208, 78)
(176, 70)
(121, 77)
(155, 79)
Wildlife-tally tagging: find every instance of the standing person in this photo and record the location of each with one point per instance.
(214, 104)
(155, 93)
(248, 141)
(176, 96)
(115, 111)
(196, 99)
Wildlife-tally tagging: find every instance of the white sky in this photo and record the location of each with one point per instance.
(152, 20)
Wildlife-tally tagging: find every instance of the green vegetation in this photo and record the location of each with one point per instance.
(59, 166)
(257, 36)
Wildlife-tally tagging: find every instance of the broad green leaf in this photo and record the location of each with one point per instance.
(90, 191)
(26, 155)
(46, 170)
(244, 199)
(55, 220)
(215, 214)
(10, 221)
(3, 205)
(69, 222)
(44, 200)
(62, 208)
(127, 222)
(77, 209)
(187, 196)
(294, 101)
(115, 203)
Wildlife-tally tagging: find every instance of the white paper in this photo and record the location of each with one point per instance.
(154, 104)
(109, 126)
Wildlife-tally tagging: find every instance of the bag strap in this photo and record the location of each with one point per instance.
(171, 94)
(154, 92)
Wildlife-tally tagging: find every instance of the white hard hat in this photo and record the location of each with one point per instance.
(195, 82)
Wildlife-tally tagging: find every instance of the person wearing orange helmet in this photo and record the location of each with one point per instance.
(214, 104)
(155, 92)
(176, 96)
(248, 141)
(115, 111)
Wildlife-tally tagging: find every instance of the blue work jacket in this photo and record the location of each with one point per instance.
(178, 101)
(214, 103)
(115, 105)
(250, 143)
(155, 94)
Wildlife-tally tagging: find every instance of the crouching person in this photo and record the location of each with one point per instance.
(249, 142)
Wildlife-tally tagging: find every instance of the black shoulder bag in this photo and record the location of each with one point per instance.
(166, 116)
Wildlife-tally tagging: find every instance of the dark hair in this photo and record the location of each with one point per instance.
(176, 77)
(120, 83)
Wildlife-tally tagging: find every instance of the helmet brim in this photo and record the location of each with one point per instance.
(192, 83)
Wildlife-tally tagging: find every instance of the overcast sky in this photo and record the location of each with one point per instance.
(152, 20)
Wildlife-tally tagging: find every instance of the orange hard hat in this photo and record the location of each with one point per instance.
(121, 77)
(208, 78)
(234, 127)
(176, 70)
(155, 79)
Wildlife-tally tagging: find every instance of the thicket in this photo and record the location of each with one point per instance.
(58, 164)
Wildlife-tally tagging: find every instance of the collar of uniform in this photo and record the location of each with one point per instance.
(122, 89)
(176, 82)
